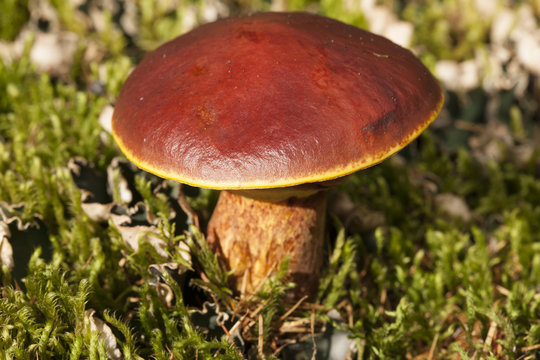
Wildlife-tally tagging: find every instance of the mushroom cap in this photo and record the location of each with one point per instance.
(272, 100)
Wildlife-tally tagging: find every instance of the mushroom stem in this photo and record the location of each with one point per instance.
(253, 237)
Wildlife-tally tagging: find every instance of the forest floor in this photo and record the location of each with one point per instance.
(432, 254)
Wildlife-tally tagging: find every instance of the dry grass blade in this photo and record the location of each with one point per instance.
(291, 310)
(492, 332)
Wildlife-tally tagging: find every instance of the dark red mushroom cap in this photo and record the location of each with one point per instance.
(272, 100)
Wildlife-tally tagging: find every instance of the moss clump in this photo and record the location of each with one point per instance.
(432, 253)
(14, 15)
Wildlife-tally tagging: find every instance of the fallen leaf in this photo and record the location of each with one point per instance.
(105, 334)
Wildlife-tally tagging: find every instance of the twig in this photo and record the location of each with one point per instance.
(291, 310)
(433, 347)
(87, 261)
(502, 290)
(232, 341)
(260, 346)
(171, 355)
(467, 126)
(530, 348)
(314, 356)
(382, 300)
(260, 307)
(252, 315)
(278, 350)
(244, 284)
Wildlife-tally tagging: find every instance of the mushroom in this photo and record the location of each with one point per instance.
(273, 109)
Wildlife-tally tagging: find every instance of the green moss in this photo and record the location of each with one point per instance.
(416, 280)
(449, 29)
(14, 15)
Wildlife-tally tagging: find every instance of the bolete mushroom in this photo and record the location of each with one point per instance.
(272, 109)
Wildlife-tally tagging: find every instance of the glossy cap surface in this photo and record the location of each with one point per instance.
(272, 100)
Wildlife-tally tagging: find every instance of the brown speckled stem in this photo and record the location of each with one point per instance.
(253, 237)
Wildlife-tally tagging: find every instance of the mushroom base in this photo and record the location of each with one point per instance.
(253, 237)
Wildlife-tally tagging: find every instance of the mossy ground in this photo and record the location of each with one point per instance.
(433, 254)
